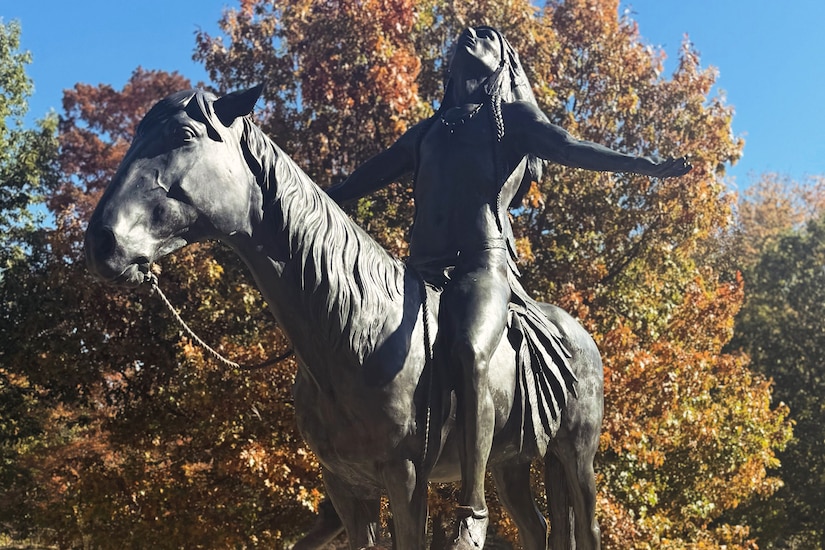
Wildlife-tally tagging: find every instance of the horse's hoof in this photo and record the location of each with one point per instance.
(470, 529)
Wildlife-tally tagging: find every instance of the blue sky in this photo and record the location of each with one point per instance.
(769, 55)
(770, 60)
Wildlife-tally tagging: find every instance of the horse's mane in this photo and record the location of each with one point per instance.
(347, 277)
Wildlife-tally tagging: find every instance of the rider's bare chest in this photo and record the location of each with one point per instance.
(460, 150)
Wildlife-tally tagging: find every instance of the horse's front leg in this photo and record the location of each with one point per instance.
(407, 491)
(327, 526)
(359, 509)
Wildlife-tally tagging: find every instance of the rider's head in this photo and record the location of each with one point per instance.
(484, 50)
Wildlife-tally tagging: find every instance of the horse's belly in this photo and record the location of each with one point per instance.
(379, 426)
(507, 442)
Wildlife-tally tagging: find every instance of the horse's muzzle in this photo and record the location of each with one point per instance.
(108, 263)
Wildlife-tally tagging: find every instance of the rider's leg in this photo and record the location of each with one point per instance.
(477, 310)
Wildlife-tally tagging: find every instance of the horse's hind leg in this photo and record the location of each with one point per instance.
(513, 486)
(358, 509)
(558, 501)
(571, 481)
(588, 535)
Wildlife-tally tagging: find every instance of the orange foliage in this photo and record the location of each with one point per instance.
(147, 439)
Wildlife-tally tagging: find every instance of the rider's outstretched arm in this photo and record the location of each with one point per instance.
(537, 135)
(379, 171)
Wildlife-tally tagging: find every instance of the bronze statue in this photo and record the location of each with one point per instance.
(369, 401)
(385, 361)
(471, 160)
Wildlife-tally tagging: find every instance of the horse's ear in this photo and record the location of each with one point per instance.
(237, 104)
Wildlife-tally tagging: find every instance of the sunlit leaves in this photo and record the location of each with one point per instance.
(139, 433)
(690, 431)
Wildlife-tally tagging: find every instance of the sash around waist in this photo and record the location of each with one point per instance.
(438, 270)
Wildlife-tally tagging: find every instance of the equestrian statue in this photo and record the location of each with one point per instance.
(434, 369)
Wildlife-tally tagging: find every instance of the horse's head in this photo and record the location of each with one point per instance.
(184, 179)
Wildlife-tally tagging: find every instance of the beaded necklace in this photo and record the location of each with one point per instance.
(462, 119)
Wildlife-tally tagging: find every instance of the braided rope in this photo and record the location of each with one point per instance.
(428, 362)
(152, 280)
(499, 170)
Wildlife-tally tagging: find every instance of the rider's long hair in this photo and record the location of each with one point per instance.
(507, 84)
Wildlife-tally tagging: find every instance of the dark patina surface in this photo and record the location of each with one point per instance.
(375, 404)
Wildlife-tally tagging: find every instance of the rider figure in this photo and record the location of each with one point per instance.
(469, 161)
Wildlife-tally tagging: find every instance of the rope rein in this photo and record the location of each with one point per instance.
(152, 280)
(428, 363)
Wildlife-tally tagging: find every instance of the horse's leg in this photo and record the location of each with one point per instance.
(327, 526)
(358, 509)
(558, 501)
(576, 458)
(588, 534)
(513, 485)
(407, 492)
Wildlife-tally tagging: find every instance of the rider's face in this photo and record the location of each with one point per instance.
(478, 50)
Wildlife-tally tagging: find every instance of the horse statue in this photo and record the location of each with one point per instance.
(366, 400)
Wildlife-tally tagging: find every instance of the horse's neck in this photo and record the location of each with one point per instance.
(331, 286)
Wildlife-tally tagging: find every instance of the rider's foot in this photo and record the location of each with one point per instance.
(470, 529)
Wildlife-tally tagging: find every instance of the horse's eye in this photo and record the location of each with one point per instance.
(159, 214)
(183, 134)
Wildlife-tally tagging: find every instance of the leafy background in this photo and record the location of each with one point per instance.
(117, 432)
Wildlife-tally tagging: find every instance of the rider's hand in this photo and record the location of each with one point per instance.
(667, 168)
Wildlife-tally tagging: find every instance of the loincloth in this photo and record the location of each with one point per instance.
(545, 379)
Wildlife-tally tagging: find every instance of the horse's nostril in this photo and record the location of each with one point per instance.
(100, 249)
(100, 244)
(105, 244)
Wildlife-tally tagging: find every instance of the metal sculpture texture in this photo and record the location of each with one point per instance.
(437, 369)
(376, 410)
(473, 158)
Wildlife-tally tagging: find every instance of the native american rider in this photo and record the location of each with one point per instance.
(470, 161)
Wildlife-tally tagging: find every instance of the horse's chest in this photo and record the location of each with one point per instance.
(347, 431)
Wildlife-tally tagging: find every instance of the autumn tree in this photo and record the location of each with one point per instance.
(621, 252)
(769, 207)
(689, 429)
(781, 242)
